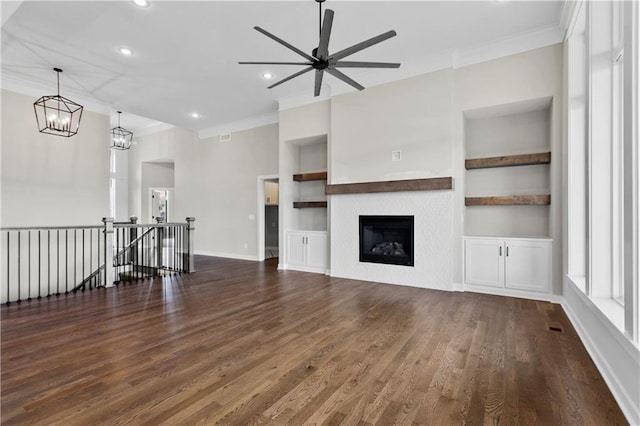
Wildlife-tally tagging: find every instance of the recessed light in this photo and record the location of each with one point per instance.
(141, 3)
(125, 51)
(267, 76)
(195, 115)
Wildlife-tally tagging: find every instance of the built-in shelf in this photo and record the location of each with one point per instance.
(509, 200)
(309, 204)
(432, 184)
(508, 161)
(305, 177)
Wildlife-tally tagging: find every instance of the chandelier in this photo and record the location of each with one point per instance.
(120, 138)
(57, 115)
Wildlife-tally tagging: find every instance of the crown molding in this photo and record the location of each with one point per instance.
(156, 127)
(535, 39)
(240, 125)
(304, 98)
(568, 16)
(14, 83)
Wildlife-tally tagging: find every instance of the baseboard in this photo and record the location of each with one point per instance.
(302, 268)
(457, 287)
(512, 293)
(227, 255)
(622, 357)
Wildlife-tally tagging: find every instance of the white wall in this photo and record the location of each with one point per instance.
(52, 180)
(215, 182)
(412, 115)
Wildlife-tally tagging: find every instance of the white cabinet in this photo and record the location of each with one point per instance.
(307, 251)
(510, 263)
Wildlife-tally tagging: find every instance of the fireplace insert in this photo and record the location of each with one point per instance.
(386, 239)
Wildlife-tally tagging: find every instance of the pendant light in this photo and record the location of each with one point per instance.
(120, 138)
(57, 115)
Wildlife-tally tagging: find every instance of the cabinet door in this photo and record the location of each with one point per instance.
(296, 248)
(317, 250)
(484, 262)
(528, 265)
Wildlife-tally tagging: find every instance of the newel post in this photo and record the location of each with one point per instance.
(108, 251)
(190, 244)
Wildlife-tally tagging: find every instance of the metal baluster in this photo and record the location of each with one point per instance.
(39, 266)
(8, 268)
(58, 262)
(18, 267)
(66, 261)
(48, 263)
(83, 275)
(75, 258)
(29, 264)
(99, 266)
(90, 254)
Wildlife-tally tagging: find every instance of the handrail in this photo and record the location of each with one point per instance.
(148, 225)
(50, 228)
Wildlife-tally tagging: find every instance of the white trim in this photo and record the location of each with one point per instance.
(457, 287)
(15, 83)
(568, 16)
(304, 98)
(303, 269)
(156, 127)
(226, 255)
(240, 125)
(606, 335)
(507, 292)
(535, 39)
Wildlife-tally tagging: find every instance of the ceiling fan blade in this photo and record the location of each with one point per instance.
(337, 74)
(285, 44)
(274, 63)
(323, 47)
(290, 77)
(350, 64)
(319, 74)
(362, 45)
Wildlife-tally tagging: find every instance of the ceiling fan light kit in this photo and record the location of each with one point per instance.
(321, 60)
(57, 115)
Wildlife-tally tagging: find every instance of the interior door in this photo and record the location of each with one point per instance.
(161, 205)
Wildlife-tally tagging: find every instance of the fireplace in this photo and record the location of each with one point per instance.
(386, 239)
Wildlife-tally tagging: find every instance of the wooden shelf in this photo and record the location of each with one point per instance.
(509, 200)
(309, 204)
(432, 184)
(305, 177)
(508, 161)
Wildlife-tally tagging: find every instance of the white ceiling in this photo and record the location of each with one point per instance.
(186, 53)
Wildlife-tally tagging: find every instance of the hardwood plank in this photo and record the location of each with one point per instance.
(431, 184)
(508, 200)
(240, 342)
(309, 204)
(305, 177)
(508, 161)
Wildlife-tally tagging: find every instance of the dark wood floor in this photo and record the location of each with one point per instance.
(239, 343)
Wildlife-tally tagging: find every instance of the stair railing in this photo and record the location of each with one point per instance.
(42, 261)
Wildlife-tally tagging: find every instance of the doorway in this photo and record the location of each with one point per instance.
(268, 217)
(161, 205)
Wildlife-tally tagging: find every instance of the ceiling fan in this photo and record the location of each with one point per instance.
(320, 60)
